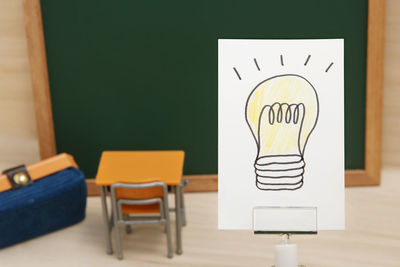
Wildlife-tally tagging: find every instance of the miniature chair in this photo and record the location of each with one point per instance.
(140, 203)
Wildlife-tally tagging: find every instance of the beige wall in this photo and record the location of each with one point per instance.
(18, 142)
(391, 109)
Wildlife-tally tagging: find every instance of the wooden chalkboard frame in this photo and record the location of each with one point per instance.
(370, 175)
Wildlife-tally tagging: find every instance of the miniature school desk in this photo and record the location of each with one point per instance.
(141, 167)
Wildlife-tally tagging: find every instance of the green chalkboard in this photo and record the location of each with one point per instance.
(141, 75)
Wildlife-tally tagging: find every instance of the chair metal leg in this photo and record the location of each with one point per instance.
(163, 213)
(178, 220)
(112, 221)
(107, 223)
(183, 206)
(167, 228)
(128, 227)
(118, 242)
(117, 232)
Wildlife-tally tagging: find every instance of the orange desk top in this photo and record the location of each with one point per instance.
(140, 167)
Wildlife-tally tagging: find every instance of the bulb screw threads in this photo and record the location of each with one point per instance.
(279, 172)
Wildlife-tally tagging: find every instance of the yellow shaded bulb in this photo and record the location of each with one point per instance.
(281, 112)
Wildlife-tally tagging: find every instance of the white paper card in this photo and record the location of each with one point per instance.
(280, 129)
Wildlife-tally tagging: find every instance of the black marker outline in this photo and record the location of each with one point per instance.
(280, 163)
(330, 65)
(282, 61)
(271, 121)
(282, 176)
(281, 183)
(280, 189)
(287, 155)
(255, 61)
(280, 170)
(237, 73)
(308, 58)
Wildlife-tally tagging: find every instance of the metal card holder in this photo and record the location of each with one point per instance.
(285, 221)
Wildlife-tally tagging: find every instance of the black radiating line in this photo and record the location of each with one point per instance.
(237, 73)
(282, 60)
(308, 58)
(255, 61)
(330, 65)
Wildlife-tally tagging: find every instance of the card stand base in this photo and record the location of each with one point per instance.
(285, 221)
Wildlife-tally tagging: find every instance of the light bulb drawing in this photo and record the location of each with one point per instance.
(281, 131)
(281, 112)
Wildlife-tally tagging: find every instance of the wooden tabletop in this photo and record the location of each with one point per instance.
(371, 238)
(140, 167)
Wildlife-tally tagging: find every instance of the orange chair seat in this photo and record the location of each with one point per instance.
(141, 209)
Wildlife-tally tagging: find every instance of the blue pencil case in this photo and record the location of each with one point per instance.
(41, 198)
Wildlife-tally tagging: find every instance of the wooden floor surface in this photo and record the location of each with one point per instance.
(372, 238)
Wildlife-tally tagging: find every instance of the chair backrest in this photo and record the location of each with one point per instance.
(138, 193)
(138, 198)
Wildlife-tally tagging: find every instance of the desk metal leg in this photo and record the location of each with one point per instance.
(107, 226)
(178, 215)
(183, 211)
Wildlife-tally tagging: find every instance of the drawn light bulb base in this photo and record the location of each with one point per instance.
(279, 172)
(281, 112)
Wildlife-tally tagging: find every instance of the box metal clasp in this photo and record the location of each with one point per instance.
(18, 176)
